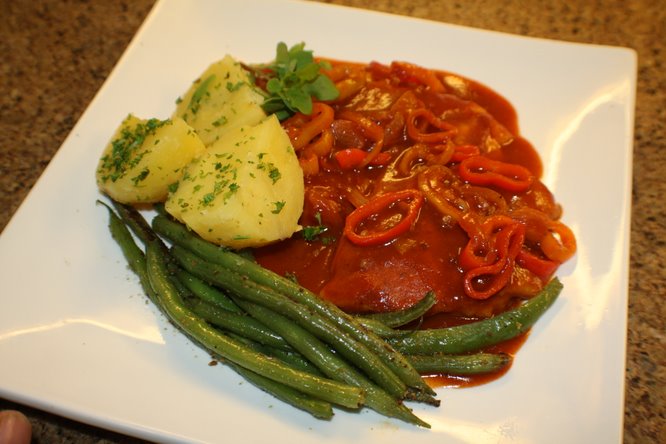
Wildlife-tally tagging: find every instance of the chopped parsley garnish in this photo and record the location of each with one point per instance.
(127, 151)
(312, 232)
(231, 87)
(279, 205)
(173, 187)
(141, 176)
(273, 172)
(207, 199)
(221, 121)
(200, 93)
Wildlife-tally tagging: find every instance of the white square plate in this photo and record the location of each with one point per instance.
(77, 337)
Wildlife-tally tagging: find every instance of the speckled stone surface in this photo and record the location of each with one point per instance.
(56, 55)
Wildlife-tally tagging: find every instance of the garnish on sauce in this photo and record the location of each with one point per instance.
(292, 79)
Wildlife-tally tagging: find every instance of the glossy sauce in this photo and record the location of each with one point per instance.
(389, 277)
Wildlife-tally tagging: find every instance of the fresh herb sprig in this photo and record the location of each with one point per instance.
(292, 79)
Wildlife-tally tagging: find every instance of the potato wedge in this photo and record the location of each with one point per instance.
(220, 100)
(145, 157)
(245, 191)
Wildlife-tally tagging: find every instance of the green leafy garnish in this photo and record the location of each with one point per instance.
(279, 205)
(292, 79)
(312, 232)
(200, 93)
(127, 151)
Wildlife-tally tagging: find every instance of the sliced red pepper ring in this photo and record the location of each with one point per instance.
(382, 158)
(322, 144)
(302, 129)
(370, 130)
(507, 245)
(485, 245)
(542, 268)
(439, 185)
(414, 202)
(350, 158)
(462, 152)
(421, 135)
(481, 170)
(560, 243)
(478, 251)
(488, 259)
(309, 163)
(418, 74)
(555, 239)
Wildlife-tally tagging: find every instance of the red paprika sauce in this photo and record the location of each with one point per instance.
(418, 180)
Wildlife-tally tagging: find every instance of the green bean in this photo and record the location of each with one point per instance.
(180, 235)
(206, 292)
(133, 254)
(171, 303)
(382, 330)
(311, 321)
(331, 364)
(317, 408)
(472, 364)
(405, 316)
(242, 325)
(478, 335)
(289, 357)
(211, 314)
(160, 209)
(136, 259)
(135, 221)
(220, 300)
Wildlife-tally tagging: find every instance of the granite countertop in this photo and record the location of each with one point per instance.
(56, 55)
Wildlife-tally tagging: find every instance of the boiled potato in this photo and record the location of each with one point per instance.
(145, 157)
(220, 100)
(245, 191)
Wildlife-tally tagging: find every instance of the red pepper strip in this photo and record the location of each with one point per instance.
(309, 163)
(322, 145)
(382, 158)
(370, 130)
(374, 206)
(560, 243)
(320, 119)
(477, 252)
(441, 189)
(508, 243)
(542, 268)
(414, 73)
(350, 158)
(480, 170)
(447, 130)
(355, 157)
(462, 152)
(481, 249)
(556, 240)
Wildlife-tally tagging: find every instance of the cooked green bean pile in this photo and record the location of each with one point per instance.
(294, 345)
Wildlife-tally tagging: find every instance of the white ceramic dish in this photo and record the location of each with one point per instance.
(77, 337)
